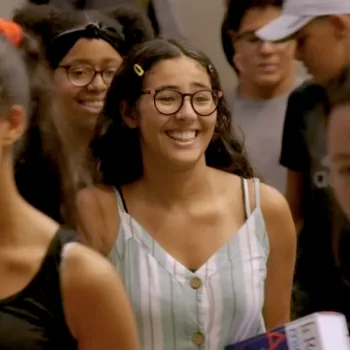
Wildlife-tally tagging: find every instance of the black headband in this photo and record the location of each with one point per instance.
(62, 43)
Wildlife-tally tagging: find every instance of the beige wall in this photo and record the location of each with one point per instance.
(7, 6)
(202, 22)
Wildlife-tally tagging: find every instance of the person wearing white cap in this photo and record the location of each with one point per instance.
(321, 27)
(322, 31)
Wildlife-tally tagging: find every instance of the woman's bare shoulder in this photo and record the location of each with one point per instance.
(92, 290)
(97, 216)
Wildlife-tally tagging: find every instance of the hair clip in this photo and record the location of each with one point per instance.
(11, 31)
(210, 68)
(138, 70)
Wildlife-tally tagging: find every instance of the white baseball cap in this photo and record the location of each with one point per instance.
(297, 13)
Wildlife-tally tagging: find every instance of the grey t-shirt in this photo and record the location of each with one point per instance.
(261, 122)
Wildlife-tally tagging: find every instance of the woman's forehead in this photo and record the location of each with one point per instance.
(178, 71)
(91, 51)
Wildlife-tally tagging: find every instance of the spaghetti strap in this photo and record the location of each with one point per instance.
(120, 200)
(257, 192)
(246, 198)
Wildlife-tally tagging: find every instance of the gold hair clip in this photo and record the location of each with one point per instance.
(138, 70)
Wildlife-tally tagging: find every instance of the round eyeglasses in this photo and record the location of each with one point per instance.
(84, 75)
(167, 101)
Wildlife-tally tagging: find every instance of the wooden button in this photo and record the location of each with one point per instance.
(196, 283)
(198, 338)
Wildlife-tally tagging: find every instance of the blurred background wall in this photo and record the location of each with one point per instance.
(201, 20)
(7, 6)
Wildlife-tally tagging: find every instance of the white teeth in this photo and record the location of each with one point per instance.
(183, 136)
(93, 104)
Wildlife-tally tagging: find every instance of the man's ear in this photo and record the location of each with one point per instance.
(237, 58)
(340, 25)
(129, 115)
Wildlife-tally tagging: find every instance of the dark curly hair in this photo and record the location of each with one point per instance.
(43, 173)
(130, 26)
(114, 144)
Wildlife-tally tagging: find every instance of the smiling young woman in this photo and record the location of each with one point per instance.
(50, 284)
(206, 253)
(84, 49)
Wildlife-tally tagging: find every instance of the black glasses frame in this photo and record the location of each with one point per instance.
(154, 93)
(95, 71)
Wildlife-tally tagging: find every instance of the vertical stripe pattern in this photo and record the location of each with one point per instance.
(170, 313)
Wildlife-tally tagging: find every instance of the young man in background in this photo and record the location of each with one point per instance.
(266, 74)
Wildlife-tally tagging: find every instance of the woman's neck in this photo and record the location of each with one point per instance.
(19, 221)
(12, 207)
(168, 185)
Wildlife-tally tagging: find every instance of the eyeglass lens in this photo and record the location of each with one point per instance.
(204, 102)
(84, 75)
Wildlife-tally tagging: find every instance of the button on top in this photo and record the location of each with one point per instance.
(196, 283)
(198, 338)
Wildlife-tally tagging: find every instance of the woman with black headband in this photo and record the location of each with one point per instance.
(84, 50)
(54, 292)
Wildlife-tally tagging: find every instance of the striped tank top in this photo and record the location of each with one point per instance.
(177, 309)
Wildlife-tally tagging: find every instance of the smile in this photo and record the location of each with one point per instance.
(183, 136)
(93, 106)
